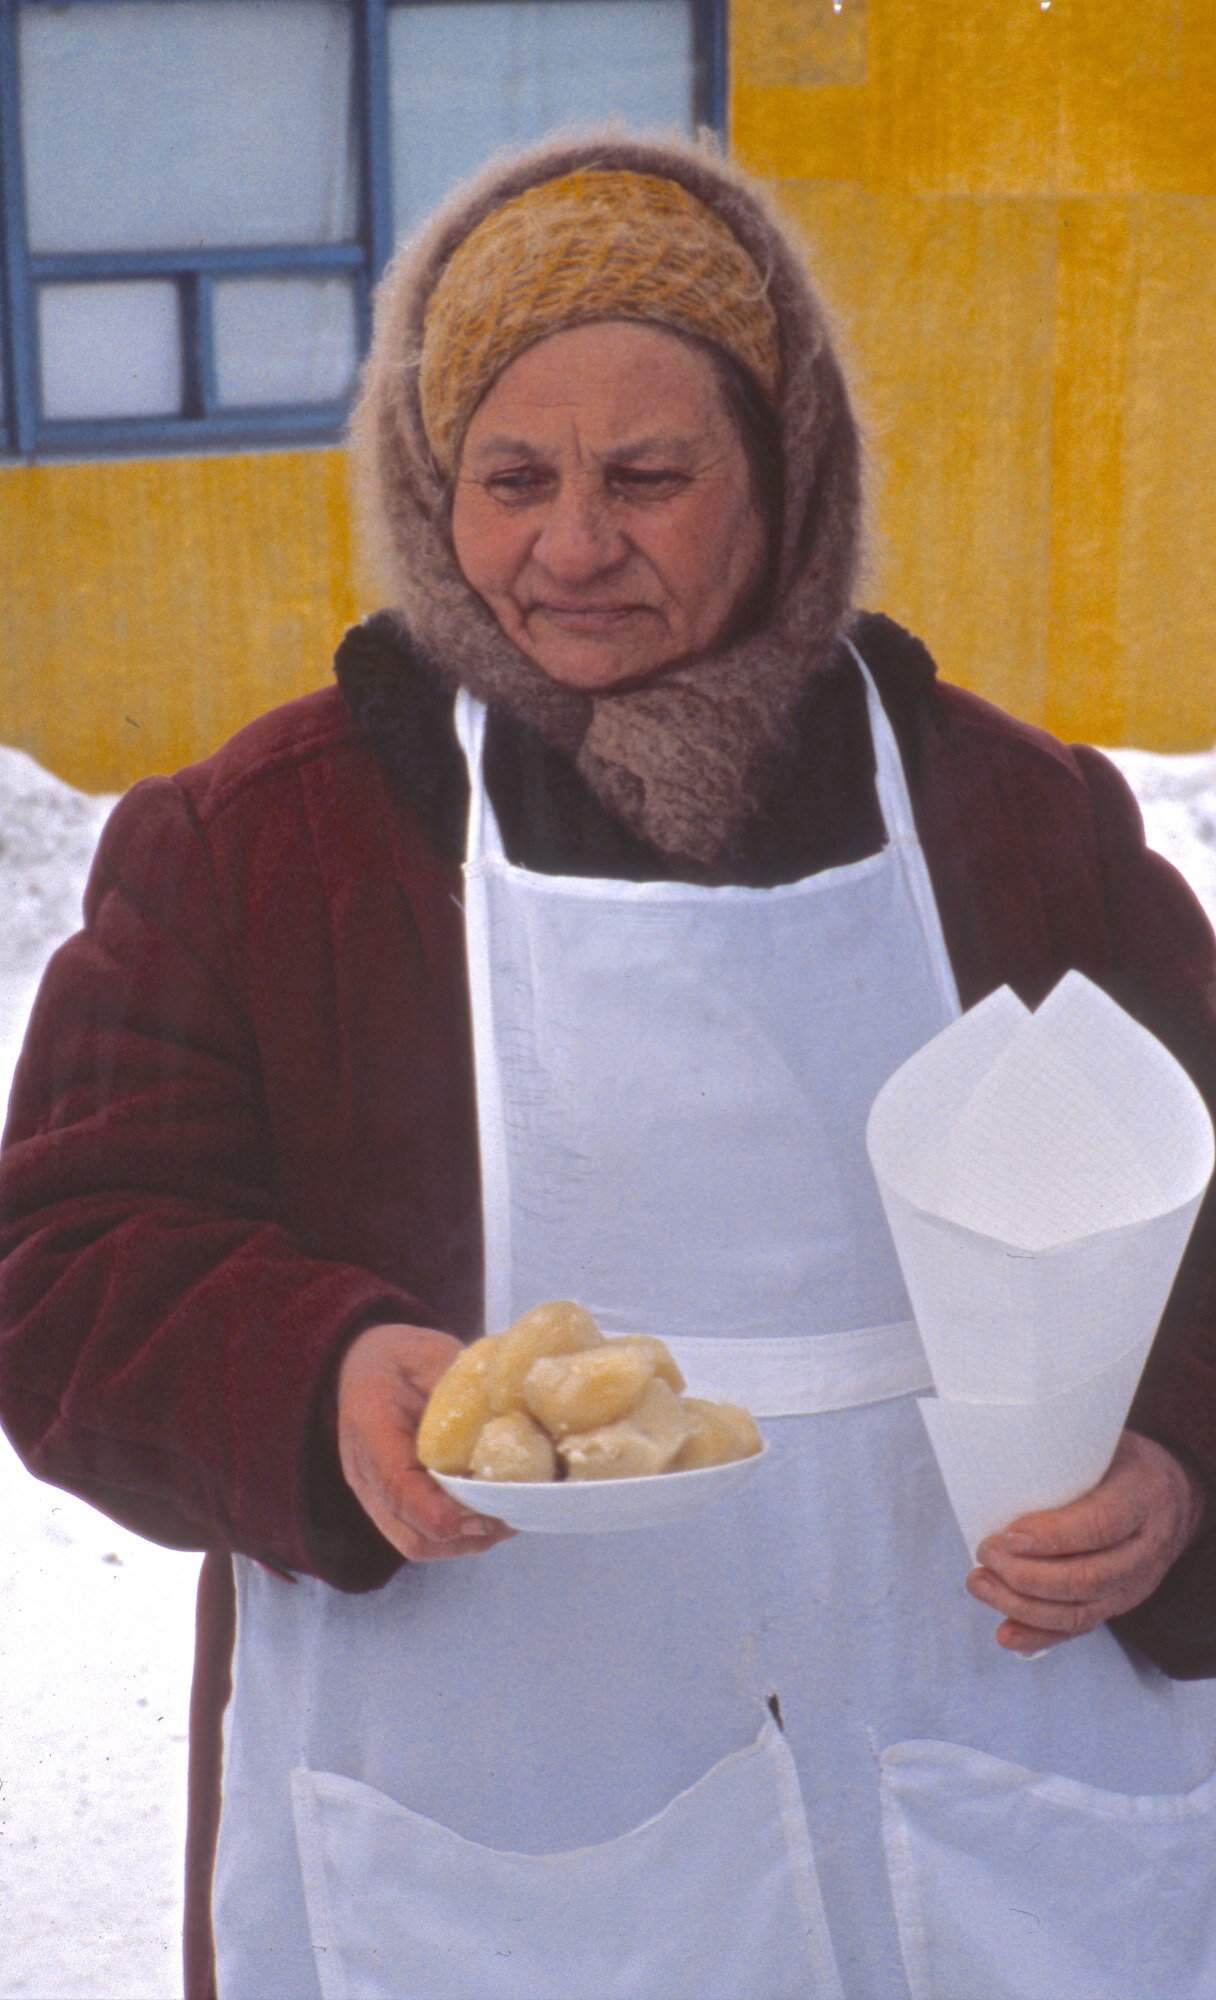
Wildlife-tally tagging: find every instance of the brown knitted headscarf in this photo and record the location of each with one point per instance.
(593, 229)
(588, 246)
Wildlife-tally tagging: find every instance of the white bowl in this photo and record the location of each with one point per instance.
(599, 1506)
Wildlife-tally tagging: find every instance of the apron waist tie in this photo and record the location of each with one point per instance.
(802, 1375)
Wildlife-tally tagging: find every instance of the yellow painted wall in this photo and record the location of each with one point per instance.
(150, 607)
(1011, 207)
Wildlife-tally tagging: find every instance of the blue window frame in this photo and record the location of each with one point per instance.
(127, 343)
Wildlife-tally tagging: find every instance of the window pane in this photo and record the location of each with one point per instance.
(284, 340)
(110, 350)
(207, 122)
(474, 75)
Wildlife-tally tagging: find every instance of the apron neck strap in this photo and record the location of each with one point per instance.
(889, 780)
(484, 837)
(483, 840)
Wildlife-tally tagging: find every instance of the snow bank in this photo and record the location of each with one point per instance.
(95, 1645)
(1178, 799)
(47, 836)
(96, 1625)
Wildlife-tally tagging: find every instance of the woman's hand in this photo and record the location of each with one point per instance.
(383, 1384)
(1057, 1574)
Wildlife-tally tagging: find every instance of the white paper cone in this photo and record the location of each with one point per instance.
(1041, 1174)
(1003, 1325)
(911, 1118)
(1083, 1122)
(1000, 1460)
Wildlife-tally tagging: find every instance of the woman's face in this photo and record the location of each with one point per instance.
(604, 508)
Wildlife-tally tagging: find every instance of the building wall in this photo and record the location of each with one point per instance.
(153, 606)
(1011, 208)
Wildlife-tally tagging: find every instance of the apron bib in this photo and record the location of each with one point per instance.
(772, 1752)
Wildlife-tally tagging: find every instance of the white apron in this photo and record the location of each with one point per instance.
(772, 1752)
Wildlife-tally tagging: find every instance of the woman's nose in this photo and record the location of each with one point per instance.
(578, 540)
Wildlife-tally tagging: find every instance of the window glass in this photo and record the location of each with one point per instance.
(284, 340)
(147, 125)
(111, 350)
(474, 75)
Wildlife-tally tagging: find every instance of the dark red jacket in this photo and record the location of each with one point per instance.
(243, 1126)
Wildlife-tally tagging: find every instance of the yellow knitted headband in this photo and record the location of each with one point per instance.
(600, 244)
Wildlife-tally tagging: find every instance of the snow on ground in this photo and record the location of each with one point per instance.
(47, 836)
(95, 1645)
(1178, 799)
(96, 1625)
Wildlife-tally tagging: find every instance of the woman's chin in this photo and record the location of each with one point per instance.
(592, 669)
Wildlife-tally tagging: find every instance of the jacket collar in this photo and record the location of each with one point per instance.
(815, 805)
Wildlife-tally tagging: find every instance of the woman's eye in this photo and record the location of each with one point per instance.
(650, 483)
(518, 482)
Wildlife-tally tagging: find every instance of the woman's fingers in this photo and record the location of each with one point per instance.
(1060, 1573)
(1091, 1575)
(1108, 1515)
(383, 1385)
(1045, 1618)
(420, 1520)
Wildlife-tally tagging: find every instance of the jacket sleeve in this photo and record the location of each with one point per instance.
(166, 1350)
(1164, 973)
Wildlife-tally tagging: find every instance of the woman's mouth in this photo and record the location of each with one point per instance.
(587, 617)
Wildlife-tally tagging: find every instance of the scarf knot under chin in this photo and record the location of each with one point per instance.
(684, 760)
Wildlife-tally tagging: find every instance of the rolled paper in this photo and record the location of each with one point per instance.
(1000, 1460)
(1041, 1174)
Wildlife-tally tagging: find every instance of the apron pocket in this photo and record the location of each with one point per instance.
(1020, 1886)
(715, 1897)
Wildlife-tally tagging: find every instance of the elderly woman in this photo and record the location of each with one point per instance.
(305, 1106)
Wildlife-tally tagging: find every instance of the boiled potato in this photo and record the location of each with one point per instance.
(458, 1407)
(645, 1441)
(718, 1434)
(659, 1414)
(552, 1397)
(514, 1448)
(579, 1392)
(558, 1327)
(649, 1343)
(615, 1451)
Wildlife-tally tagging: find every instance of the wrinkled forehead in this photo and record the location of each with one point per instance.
(614, 388)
